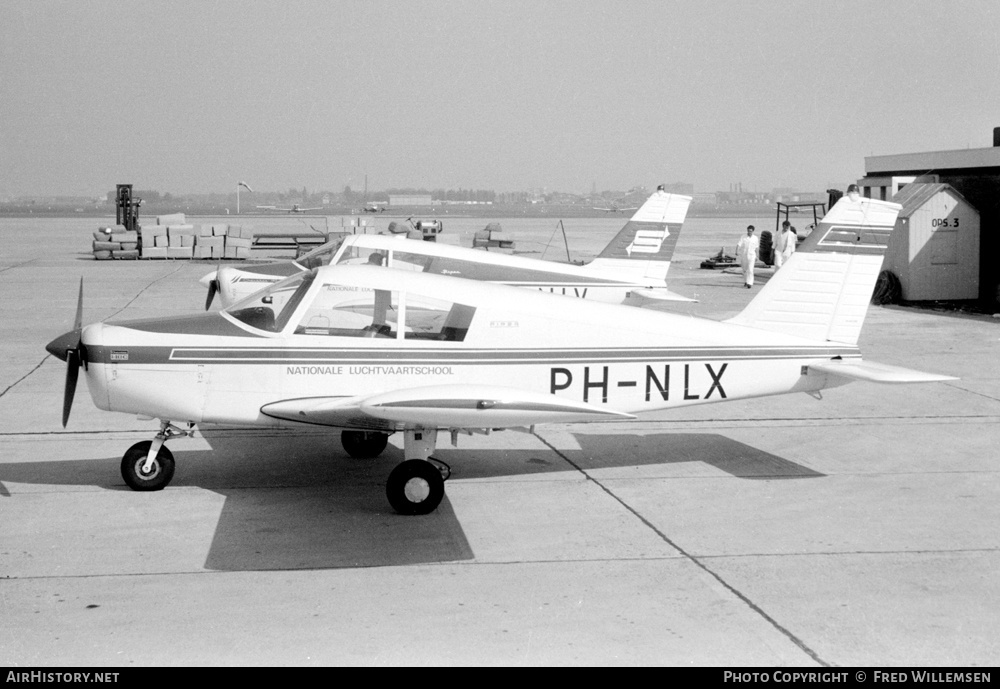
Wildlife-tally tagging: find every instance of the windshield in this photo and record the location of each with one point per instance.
(320, 256)
(270, 308)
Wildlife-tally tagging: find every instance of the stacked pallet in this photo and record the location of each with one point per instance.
(114, 241)
(171, 236)
(493, 238)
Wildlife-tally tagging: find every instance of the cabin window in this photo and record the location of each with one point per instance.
(404, 260)
(348, 311)
(362, 255)
(435, 319)
(271, 308)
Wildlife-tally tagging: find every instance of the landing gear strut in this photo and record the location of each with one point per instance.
(149, 465)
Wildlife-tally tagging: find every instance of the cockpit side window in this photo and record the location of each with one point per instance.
(435, 319)
(347, 311)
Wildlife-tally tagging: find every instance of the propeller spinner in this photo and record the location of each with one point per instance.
(70, 348)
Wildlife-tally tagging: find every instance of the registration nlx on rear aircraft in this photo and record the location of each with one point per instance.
(635, 262)
(374, 351)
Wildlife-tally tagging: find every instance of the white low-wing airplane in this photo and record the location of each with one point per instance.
(374, 351)
(636, 261)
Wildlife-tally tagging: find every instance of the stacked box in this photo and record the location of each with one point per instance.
(107, 246)
(154, 252)
(205, 231)
(102, 255)
(211, 247)
(161, 240)
(129, 254)
(220, 230)
(177, 234)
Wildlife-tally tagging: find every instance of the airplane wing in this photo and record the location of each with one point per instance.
(267, 208)
(440, 406)
(875, 373)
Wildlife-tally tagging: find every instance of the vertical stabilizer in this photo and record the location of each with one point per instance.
(823, 290)
(646, 244)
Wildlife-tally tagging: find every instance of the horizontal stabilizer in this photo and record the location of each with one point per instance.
(876, 373)
(661, 294)
(480, 406)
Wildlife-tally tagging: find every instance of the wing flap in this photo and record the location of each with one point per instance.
(660, 294)
(876, 373)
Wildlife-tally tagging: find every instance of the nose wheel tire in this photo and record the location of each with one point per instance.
(363, 444)
(415, 487)
(159, 473)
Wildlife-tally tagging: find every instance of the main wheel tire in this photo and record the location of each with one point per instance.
(160, 473)
(363, 444)
(888, 289)
(764, 251)
(415, 487)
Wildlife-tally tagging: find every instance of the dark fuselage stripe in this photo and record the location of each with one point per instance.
(250, 356)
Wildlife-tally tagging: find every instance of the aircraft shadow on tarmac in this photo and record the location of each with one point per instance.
(298, 502)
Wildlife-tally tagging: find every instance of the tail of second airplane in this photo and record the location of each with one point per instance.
(823, 290)
(646, 244)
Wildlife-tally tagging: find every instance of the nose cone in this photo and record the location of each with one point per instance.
(207, 280)
(62, 345)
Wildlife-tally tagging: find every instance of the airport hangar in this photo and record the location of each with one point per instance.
(974, 173)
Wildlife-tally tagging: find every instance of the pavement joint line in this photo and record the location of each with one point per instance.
(17, 265)
(139, 293)
(47, 356)
(694, 560)
(37, 366)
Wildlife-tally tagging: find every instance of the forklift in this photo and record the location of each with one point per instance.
(126, 208)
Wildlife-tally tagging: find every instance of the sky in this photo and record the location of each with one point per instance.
(192, 97)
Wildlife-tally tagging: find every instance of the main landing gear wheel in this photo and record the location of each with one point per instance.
(159, 473)
(415, 487)
(363, 444)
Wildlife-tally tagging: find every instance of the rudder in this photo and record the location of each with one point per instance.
(823, 290)
(646, 243)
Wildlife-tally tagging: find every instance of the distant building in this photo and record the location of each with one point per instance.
(973, 172)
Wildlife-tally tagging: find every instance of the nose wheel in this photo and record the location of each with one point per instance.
(144, 476)
(149, 465)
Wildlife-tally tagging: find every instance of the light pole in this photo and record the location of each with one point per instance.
(238, 185)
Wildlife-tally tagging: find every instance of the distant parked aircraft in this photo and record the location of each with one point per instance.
(294, 209)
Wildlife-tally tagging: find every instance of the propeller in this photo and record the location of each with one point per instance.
(212, 282)
(213, 287)
(70, 348)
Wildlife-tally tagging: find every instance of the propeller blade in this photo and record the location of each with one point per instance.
(213, 287)
(78, 323)
(72, 372)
